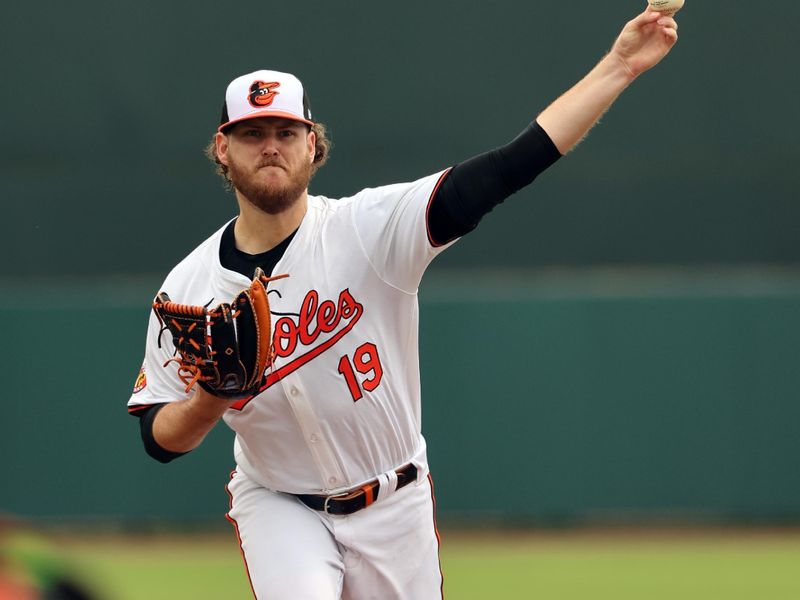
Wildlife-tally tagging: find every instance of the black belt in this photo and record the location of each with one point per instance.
(351, 501)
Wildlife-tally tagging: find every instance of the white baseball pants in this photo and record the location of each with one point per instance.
(386, 551)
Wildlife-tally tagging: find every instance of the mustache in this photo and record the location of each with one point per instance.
(270, 163)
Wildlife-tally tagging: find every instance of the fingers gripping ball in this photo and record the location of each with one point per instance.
(226, 349)
(666, 7)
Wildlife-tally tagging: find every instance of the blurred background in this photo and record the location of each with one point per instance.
(616, 345)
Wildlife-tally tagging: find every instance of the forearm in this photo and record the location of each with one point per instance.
(642, 44)
(572, 115)
(181, 426)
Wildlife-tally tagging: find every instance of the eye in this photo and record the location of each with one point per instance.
(287, 133)
(252, 133)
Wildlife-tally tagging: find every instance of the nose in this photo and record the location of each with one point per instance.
(270, 147)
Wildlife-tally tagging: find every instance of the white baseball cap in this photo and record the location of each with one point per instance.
(265, 94)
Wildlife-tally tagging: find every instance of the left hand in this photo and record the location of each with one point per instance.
(645, 40)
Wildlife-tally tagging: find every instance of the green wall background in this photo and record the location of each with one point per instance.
(618, 342)
(109, 104)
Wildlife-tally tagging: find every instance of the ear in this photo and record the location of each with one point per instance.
(221, 141)
(312, 144)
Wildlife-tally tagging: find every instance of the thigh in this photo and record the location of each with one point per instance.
(288, 550)
(392, 553)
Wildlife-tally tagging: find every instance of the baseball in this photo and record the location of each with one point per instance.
(666, 7)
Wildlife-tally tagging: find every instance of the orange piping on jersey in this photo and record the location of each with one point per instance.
(431, 241)
(239, 537)
(438, 537)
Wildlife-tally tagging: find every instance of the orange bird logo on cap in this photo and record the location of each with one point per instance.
(262, 94)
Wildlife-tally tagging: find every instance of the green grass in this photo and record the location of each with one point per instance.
(573, 565)
(641, 568)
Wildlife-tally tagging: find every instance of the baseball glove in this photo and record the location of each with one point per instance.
(226, 349)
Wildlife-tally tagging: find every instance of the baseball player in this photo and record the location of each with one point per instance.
(331, 496)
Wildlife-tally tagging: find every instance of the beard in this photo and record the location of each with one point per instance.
(272, 199)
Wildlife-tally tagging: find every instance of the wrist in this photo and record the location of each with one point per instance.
(205, 404)
(618, 67)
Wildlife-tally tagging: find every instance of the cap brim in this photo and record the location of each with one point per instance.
(278, 114)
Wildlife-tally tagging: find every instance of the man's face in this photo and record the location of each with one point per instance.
(269, 161)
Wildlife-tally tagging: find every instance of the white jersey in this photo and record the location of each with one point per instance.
(342, 402)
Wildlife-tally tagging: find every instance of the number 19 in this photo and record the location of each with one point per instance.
(367, 362)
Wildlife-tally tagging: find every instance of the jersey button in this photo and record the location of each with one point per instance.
(294, 391)
(314, 439)
(332, 480)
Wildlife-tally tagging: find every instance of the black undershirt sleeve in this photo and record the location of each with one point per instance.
(473, 188)
(146, 418)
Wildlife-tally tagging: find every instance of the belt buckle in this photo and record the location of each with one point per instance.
(329, 498)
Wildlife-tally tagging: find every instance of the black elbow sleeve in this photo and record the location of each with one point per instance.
(525, 157)
(146, 419)
(473, 188)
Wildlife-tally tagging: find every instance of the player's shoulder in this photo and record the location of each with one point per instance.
(323, 204)
(331, 210)
(377, 193)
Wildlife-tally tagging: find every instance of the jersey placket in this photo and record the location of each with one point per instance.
(328, 466)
